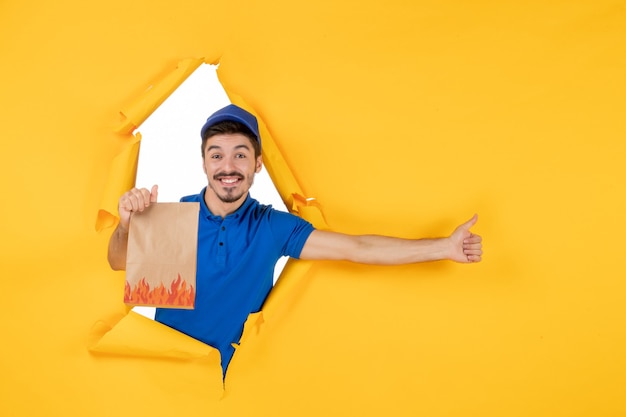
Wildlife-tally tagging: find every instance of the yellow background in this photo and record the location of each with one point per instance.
(398, 117)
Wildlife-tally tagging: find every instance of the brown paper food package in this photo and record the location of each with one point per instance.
(161, 257)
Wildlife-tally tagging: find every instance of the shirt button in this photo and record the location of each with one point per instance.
(223, 228)
(221, 243)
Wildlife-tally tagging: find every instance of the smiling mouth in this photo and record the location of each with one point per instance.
(228, 180)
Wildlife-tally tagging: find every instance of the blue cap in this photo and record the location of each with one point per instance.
(234, 114)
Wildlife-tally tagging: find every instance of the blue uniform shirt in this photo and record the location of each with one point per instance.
(235, 268)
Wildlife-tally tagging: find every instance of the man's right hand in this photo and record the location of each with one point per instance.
(135, 200)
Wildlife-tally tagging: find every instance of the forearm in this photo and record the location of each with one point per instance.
(383, 250)
(374, 249)
(118, 245)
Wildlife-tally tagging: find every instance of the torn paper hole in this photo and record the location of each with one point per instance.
(170, 148)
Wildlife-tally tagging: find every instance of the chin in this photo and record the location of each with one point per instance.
(230, 197)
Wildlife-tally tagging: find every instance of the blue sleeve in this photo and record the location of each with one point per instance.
(292, 231)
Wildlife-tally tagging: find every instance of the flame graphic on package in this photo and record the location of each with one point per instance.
(178, 295)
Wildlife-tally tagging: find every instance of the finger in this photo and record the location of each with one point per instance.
(474, 258)
(154, 193)
(128, 201)
(136, 199)
(473, 252)
(472, 245)
(145, 196)
(473, 239)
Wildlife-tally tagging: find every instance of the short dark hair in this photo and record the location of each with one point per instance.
(229, 127)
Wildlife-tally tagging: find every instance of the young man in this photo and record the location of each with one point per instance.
(240, 240)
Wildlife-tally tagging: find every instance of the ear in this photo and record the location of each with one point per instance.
(259, 164)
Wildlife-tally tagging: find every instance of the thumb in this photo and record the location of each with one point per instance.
(471, 222)
(154, 193)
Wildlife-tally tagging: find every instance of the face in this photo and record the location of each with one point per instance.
(230, 166)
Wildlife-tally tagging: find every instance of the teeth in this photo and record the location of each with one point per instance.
(229, 180)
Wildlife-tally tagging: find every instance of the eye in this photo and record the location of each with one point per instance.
(215, 156)
(240, 155)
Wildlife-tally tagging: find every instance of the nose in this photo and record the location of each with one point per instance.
(228, 165)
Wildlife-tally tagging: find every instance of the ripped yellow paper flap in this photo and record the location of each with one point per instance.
(139, 110)
(121, 178)
(310, 210)
(138, 336)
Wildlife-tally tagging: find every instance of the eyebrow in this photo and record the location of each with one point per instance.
(219, 147)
